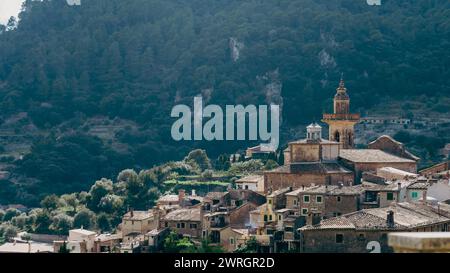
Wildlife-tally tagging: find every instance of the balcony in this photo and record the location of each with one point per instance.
(351, 117)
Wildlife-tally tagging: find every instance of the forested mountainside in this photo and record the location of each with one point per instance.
(86, 91)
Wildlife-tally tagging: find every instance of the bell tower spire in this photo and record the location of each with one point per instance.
(341, 123)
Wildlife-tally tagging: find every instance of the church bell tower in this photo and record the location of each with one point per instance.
(341, 123)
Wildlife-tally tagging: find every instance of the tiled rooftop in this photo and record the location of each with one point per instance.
(406, 216)
(371, 156)
(138, 215)
(330, 190)
(279, 192)
(184, 215)
(169, 198)
(251, 179)
(215, 195)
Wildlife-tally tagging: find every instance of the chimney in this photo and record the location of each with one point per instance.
(202, 215)
(399, 194)
(424, 197)
(340, 185)
(390, 219)
(131, 212)
(156, 216)
(309, 219)
(193, 193)
(181, 195)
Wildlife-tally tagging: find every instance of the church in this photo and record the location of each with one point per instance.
(335, 161)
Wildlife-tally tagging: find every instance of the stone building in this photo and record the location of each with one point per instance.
(389, 145)
(215, 222)
(389, 173)
(263, 152)
(233, 198)
(341, 123)
(352, 233)
(233, 238)
(182, 199)
(228, 209)
(251, 182)
(441, 169)
(79, 241)
(370, 160)
(187, 222)
(325, 201)
(135, 223)
(267, 213)
(310, 160)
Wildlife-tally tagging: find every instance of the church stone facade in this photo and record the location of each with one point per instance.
(334, 161)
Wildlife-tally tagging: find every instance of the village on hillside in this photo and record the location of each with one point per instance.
(328, 196)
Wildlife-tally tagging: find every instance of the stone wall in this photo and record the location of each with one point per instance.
(389, 145)
(195, 232)
(241, 216)
(360, 168)
(276, 181)
(324, 241)
(442, 167)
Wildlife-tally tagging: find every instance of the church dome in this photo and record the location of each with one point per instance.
(314, 132)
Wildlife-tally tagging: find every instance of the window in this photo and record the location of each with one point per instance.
(390, 196)
(166, 224)
(361, 236)
(178, 225)
(270, 201)
(319, 199)
(304, 212)
(414, 195)
(338, 199)
(279, 217)
(193, 226)
(295, 202)
(288, 229)
(246, 187)
(270, 217)
(232, 241)
(339, 238)
(149, 222)
(265, 218)
(336, 214)
(183, 225)
(306, 199)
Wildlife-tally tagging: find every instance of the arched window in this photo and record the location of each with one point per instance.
(337, 136)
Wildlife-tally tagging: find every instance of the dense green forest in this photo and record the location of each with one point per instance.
(133, 60)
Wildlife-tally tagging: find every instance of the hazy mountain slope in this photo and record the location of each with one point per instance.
(136, 59)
